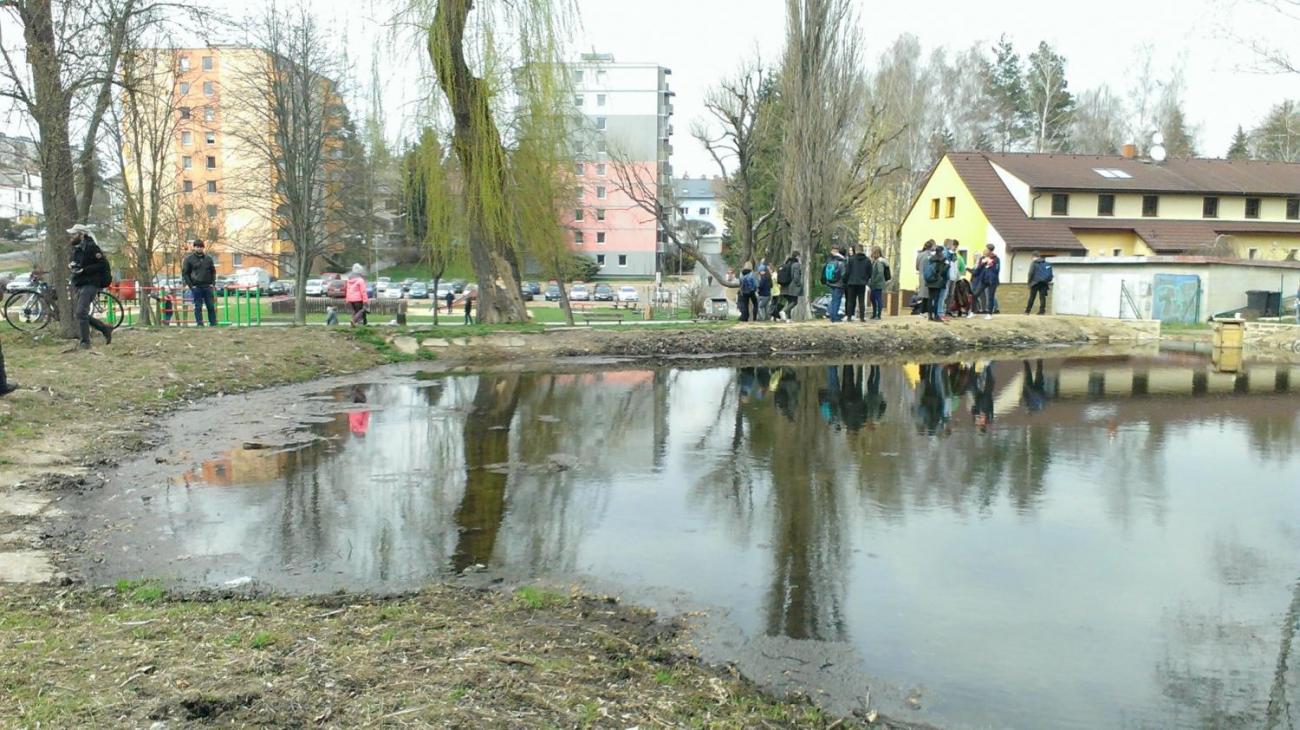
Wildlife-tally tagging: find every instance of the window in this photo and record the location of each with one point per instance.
(1252, 253)
(600, 260)
(580, 169)
(212, 186)
(1150, 206)
(600, 214)
(189, 210)
(704, 211)
(600, 237)
(1060, 204)
(1210, 207)
(212, 162)
(577, 75)
(1111, 173)
(600, 77)
(600, 192)
(577, 214)
(600, 169)
(187, 138)
(207, 63)
(209, 88)
(1252, 207)
(577, 237)
(1293, 209)
(1117, 252)
(187, 162)
(934, 208)
(184, 63)
(185, 87)
(601, 146)
(684, 211)
(951, 209)
(212, 211)
(600, 100)
(600, 123)
(578, 100)
(210, 137)
(209, 114)
(1106, 204)
(236, 259)
(622, 259)
(185, 112)
(187, 186)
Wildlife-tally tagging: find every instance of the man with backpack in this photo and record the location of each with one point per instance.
(90, 274)
(747, 299)
(1040, 281)
(833, 276)
(936, 279)
(858, 271)
(879, 279)
(764, 292)
(789, 276)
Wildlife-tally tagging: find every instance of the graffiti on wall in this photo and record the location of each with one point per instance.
(1176, 298)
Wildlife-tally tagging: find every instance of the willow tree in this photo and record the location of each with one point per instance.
(833, 136)
(430, 207)
(476, 98)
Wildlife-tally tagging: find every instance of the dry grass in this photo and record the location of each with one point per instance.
(447, 657)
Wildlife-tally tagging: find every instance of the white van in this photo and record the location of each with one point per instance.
(252, 278)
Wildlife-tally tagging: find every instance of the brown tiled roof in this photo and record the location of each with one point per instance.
(1069, 172)
(1018, 230)
(1201, 176)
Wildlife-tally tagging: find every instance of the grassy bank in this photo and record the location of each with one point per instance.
(449, 656)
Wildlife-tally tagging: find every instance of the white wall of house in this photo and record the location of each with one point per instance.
(1097, 286)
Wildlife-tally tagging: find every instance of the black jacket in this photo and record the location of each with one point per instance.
(198, 270)
(89, 265)
(858, 270)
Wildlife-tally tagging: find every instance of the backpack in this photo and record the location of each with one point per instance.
(783, 275)
(833, 273)
(105, 276)
(936, 273)
(1050, 275)
(747, 285)
(889, 275)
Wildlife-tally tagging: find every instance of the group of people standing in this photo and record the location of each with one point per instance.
(764, 296)
(850, 278)
(945, 291)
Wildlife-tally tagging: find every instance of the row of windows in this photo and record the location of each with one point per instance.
(581, 168)
(187, 138)
(209, 88)
(184, 63)
(187, 186)
(1151, 206)
(949, 207)
(580, 214)
(187, 162)
(600, 260)
(580, 76)
(703, 211)
(209, 113)
(189, 210)
(581, 237)
(579, 100)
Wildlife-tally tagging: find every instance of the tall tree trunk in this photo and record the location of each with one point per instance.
(477, 144)
(51, 109)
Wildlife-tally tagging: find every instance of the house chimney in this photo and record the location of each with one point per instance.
(1130, 151)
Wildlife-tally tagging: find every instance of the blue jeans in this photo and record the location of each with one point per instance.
(837, 298)
(203, 295)
(877, 302)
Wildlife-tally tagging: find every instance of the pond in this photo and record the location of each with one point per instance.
(1069, 542)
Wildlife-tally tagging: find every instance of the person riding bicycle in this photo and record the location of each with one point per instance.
(90, 274)
(199, 273)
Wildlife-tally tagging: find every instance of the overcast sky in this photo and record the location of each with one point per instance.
(701, 40)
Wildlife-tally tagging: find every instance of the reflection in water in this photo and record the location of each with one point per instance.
(1003, 533)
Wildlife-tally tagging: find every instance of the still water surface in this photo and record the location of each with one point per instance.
(1044, 543)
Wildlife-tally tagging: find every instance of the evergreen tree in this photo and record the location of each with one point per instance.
(1006, 86)
(1277, 138)
(1180, 140)
(1240, 149)
(1048, 99)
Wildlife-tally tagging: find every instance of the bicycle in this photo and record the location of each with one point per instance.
(33, 307)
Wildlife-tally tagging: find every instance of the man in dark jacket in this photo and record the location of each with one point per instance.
(747, 299)
(199, 273)
(790, 292)
(90, 274)
(857, 274)
(764, 292)
(1040, 281)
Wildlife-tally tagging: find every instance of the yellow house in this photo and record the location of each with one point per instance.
(1090, 205)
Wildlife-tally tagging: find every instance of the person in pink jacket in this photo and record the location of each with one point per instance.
(355, 295)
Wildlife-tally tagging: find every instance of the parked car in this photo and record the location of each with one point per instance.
(22, 281)
(336, 288)
(553, 293)
(458, 286)
(381, 284)
(443, 288)
(252, 278)
(603, 293)
(391, 291)
(535, 287)
(278, 288)
(315, 287)
(628, 295)
(526, 292)
(30, 233)
(821, 304)
(223, 283)
(417, 290)
(579, 293)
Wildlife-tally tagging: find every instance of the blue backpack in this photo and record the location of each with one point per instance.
(833, 272)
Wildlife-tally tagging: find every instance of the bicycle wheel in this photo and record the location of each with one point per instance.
(109, 310)
(27, 311)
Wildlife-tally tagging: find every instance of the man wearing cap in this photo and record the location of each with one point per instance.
(199, 273)
(90, 274)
